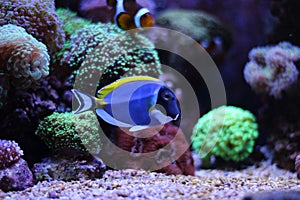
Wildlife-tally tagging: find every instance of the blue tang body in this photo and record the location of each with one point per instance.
(132, 102)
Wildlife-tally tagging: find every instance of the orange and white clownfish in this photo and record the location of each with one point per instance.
(128, 14)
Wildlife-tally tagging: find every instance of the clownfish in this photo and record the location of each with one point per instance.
(137, 103)
(128, 14)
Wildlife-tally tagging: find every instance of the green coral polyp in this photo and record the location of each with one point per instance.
(71, 23)
(228, 132)
(62, 131)
(104, 49)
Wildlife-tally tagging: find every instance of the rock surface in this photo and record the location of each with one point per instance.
(16, 177)
(68, 168)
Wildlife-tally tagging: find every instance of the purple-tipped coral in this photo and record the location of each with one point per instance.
(23, 59)
(10, 153)
(271, 69)
(14, 171)
(39, 19)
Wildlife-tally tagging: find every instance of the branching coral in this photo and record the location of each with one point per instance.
(104, 49)
(24, 60)
(39, 19)
(68, 131)
(10, 153)
(227, 131)
(271, 69)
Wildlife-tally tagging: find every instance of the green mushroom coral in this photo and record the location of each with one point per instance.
(227, 131)
(62, 131)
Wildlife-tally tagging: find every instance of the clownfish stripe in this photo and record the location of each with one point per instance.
(119, 9)
(138, 15)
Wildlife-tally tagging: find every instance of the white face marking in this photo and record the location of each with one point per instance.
(119, 9)
(138, 15)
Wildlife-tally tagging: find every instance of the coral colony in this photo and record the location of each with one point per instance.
(49, 49)
(232, 131)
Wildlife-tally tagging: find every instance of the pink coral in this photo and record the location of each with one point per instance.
(23, 59)
(271, 69)
(39, 19)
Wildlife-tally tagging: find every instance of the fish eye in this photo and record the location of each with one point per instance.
(167, 96)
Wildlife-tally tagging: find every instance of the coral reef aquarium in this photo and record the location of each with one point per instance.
(150, 99)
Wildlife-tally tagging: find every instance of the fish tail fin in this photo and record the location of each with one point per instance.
(86, 102)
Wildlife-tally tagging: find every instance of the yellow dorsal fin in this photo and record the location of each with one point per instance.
(109, 88)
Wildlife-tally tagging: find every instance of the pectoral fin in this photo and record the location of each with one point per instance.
(160, 117)
(138, 128)
(109, 119)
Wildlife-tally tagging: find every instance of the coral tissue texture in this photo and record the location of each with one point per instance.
(271, 69)
(10, 153)
(39, 19)
(23, 59)
(69, 131)
(227, 131)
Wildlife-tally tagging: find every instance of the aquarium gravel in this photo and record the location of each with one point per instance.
(138, 184)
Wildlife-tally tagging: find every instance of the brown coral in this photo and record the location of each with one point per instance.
(24, 60)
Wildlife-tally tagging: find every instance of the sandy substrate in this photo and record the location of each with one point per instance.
(133, 184)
